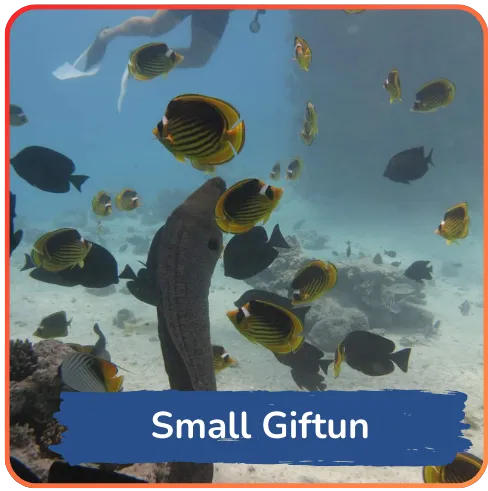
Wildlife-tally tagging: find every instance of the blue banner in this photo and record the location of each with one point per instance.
(380, 428)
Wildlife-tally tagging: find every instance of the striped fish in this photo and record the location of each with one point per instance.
(455, 224)
(389, 301)
(221, 359)
(127, 200)
(275, 173)
(245, 204)
(61, 249)
(392, 86)
(462, 469)
(203, 129)
(312, 281)
(152, 60)
(102, 204)
(267, 324)
(295, 169)
(433, 95)
(82, 372)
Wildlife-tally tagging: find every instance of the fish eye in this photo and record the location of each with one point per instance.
(213, 244)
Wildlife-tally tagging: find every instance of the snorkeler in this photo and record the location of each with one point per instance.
(207, 29)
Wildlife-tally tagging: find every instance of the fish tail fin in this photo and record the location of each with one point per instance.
(401, 358)
(324, 365)
(429, 158)
(237, 136)
(449, 242)
(29, 263)
(277, 239)
(77, 181)
(123, 89)
(297, 343)
(392, 99)
(114, 384)
(69, 322)
(128, 274)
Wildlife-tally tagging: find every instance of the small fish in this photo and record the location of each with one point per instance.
(83, 372)
(455, 224)
(245, 204)
(141, 327)
(463, 468)
(146, 63)
(377, 259)
(249, 254)
(370, 354)
(53, 326)
(348, 250)
(390, 253)
(390, 303)
(400, 289)
(17, 116)
(15, 236)
(58, 250)
(303, 53)
(99, 227)
(275, 173)
(392, 86)
(432, 329)
(396, 263)
(202, 129)
(418, 271)
(127, 200)
(294, 170)
(123, 247)
(310, 125)
(142, 285)
(408, 165)
(102, 204)
(99, 271)
(464, 308)
(47, 170)
(433, 95)
(221, 359)
(276, 328)
(312, 281)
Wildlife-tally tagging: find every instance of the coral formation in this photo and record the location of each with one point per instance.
(23, 360)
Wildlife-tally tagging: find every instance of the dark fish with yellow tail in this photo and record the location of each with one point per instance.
(53, 326)
(202, 129)
(303, 53)
(58, 250)
(221, 359)
(82, 372)
(392, 86)
(249, 254)
(295, 168)
(102, 204)
(275, 173)
(17, 116)
(370, 354)
(455, 224)
(277, 329)
(463, 468)
(312, 281)
(127, 200)
(433, 95)
(148, 62)
(408, 165)
(47, 170)
(245, 204)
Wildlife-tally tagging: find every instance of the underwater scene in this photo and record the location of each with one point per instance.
(243, 200)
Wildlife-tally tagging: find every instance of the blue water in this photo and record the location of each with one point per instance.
(79, 117)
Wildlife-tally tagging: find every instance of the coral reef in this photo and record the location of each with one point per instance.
(33, 401)
(356, 301)
(23, 360)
